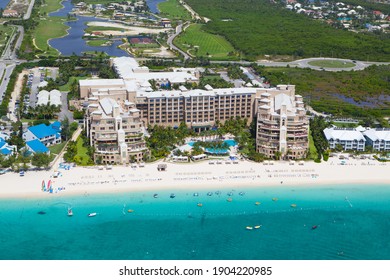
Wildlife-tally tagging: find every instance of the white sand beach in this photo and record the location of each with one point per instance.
(195, 176)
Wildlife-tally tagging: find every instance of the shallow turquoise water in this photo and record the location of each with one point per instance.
(176, 228)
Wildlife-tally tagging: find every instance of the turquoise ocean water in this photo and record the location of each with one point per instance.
(177, 228)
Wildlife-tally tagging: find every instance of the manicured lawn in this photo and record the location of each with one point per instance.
(97, 43)
(56, 149)
(332, 63)
(82, 152)
(173, 10)
(51, 6)
(66, 87)
(49, 27)
(201, 43)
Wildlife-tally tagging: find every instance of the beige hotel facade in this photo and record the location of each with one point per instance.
(282, 124)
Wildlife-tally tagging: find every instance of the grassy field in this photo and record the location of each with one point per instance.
(50, 6)
(201, 43)
(332, 63)
(49, 27)
(97, 43)
(173, 10)
(81, 152)
(56, 149)
(52, 27)
(71, 79)
(4, 32)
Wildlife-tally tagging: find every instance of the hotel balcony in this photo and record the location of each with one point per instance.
(105, 137)
(106, 150)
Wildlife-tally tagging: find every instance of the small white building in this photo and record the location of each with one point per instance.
(53, 97)
(348, 138)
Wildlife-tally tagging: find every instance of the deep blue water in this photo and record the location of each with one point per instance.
(73, 42)
(3, 3)
(176, 228)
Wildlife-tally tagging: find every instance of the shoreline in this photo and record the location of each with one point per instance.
(206, 177)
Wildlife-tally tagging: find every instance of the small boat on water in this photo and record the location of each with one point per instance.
(92, 214)
(229, 199)
(293, 205)
(275, 199)
(70, 212)
(130, 211)
(257, 226)
(196, 194)
(209, 193)
(257, 203)
(41, 213)
(155, 195)
(314, 227)
(172, 195)
(199, 204)
(249, 228)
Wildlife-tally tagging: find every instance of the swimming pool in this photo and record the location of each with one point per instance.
(229, 142)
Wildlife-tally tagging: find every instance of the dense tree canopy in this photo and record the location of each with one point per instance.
(258, 27)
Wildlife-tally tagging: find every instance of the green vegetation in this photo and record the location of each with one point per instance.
(312, 148)
(173, 10)
(56, 149)
(258, 28)
(317, 126)
(98, 43)
(48, 29)
(41, 160)
(332, 63)
(199, 42)
(49, 6)
(164, 139)
(79, 152)
(5, 34)
(214, 81)
(324, 90)
(67, 86)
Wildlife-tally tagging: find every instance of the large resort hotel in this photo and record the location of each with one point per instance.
(119, 109)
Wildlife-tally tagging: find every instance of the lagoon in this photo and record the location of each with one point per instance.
(73, 43)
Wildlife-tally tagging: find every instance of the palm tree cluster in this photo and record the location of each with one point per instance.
(45, 112)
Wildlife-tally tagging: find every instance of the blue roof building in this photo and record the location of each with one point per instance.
(5, 148)
(47, 134)
(35, 146)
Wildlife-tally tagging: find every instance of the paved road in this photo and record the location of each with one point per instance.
(29, 10)
(304, 63)
(4, 83)
(179, 29)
